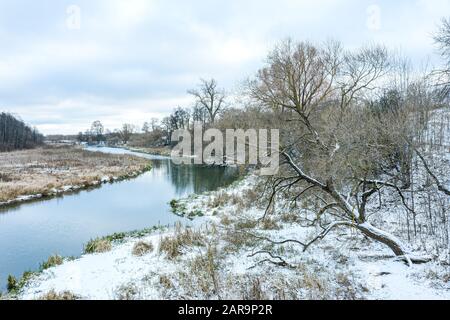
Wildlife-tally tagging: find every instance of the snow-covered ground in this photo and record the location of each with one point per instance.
(218, 259)
(230, 253)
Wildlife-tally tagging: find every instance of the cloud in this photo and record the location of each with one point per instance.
(134, 59)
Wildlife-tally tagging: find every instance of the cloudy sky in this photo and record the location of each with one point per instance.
(64, 64)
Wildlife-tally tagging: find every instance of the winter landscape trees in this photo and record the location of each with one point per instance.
(364, 143)
(349, 133)
(443, 40)
(209, 97)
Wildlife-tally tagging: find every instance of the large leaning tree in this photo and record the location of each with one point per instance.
(333, 146)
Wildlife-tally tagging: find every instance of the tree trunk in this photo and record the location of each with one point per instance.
(391, 241)
(395, 244)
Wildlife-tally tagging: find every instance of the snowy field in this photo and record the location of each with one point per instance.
(218, 259)
(230, 252)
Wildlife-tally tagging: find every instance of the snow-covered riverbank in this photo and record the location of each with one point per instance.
(228, 255)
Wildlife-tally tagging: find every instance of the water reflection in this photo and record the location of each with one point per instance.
(196, 179)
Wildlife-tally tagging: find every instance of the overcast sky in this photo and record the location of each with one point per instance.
(64, 64)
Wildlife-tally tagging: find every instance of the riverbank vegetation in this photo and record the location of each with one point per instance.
(16, 135)
(49, 171)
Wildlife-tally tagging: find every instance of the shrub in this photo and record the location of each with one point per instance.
(246, 224)
(203, 273)
(253, 290)
(289, 217)
(127, 291)
(172, 245)
(52, 262)
(142, 248)
(225, 220)
(165, 282)
(238, 239)
(220, 200)
(177, 207)
(269, 224)
(118, 237)
(53, 295)
(12, 283)
(5, 177)
(98, 245)
(251, 196)
(195, 213)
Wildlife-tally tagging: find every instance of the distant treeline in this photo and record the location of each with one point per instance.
(16, 135)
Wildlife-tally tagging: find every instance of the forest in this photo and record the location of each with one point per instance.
(16, 135)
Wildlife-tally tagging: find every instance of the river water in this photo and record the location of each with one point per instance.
(31, 232)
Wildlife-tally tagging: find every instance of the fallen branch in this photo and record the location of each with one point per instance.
(281, 263)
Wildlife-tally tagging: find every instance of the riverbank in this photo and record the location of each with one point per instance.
(46, 172)
(230, 253)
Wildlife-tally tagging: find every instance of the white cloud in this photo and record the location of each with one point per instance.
(133, 59)
(73, 115)
(125, 14)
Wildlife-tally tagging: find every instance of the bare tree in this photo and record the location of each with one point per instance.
(209, 97)
(126, 132)
(180, 118)
(166, 125)
(145, 127)
(154, 124)
(200, 114)
(441, 187)
(323, 90)
(442, 38)
(97, 130)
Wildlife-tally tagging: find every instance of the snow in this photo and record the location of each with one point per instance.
(97, 276)
(105, 179)
(343, 265)
(394, 281)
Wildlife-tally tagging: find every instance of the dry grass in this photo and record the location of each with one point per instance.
(172, 245)
(237, 239)
(254, 290)
(165, 282)
(202, 277)
(269, 224)
(52, 261)
(246, 224)
(53, 295)
(141, 248)
(290, 217)
(219, 200)
(38, 171)
(98, 245)
(205, 268)
(225, 220)
(128, 291)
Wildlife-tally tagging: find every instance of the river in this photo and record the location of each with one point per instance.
(33, 231)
